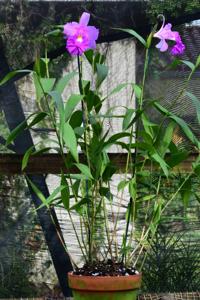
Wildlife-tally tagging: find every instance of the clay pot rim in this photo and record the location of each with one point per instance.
(107, 276)
(104, 283)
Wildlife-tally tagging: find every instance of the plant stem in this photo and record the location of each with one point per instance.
(127, 226)
(85, 125)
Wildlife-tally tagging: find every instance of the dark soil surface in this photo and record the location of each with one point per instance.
(108, 268)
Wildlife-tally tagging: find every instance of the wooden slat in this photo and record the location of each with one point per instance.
(53, 164)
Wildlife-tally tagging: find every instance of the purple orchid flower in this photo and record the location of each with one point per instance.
(165, 33)
(80, 37)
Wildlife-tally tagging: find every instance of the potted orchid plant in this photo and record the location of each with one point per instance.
(109, 264)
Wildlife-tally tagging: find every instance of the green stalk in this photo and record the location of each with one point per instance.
(126, 232)
(85, 125)
(136, 135)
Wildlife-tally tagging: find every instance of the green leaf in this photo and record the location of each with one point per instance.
(71, 104)
(26, 157)
(69, 139)
(176, 158)
(185, 129)
(116, 90)
(122, 184)
(147, 125)
(89, 55)
(47, 84)
(112, 140)
(105, 192)
(135, 34)
(102, 72)
(55, 32)
(37, 191)
(84, 170)
(22, 126)
(58, 101)
(12, 74)
(161, 162)
(65, 193)
(146, 198)
(77, 207)
(157, 214)
(76, 119)
(197, 61)
(15, 132)
(39, 117)
(127, 118)
(136, 117)
(196, 103)
(40, 151)
(52, 196)
(63, 82)
(161, 109)
(164, 138)
(183, 125)
(42, 86)
(186, 192)
(189, 64)
(76, 176)
(132, 188)
(137, 89)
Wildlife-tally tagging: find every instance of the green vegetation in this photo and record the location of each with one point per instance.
(171, 7)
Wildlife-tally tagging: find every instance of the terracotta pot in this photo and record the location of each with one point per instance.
(104, 287)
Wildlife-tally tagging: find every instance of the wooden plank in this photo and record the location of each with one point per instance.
(53, 163)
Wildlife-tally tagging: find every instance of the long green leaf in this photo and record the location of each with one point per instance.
(42, 86)
(69, 139)
(183, 125)
(37, 191)
(189, 64)
(15, 132)
(137, 89)
(135, 34)
(197, 61)
(196, 103)
(70, 105)
(102, 72)
(161, 162)
(116, 90)
(113, 139)
(65, 193)
(12, 74)
(26, 157)
(164, 138)
(79, 204)
(186, 192)
(185, 129)
(63, 82)
(18, 130)
(127, 118)
(39, 117)
(57, 100)
(84, 170)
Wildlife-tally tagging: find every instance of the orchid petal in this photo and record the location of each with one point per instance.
(84, 20)
(70, 28)
(162, 45)
(93, 33)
